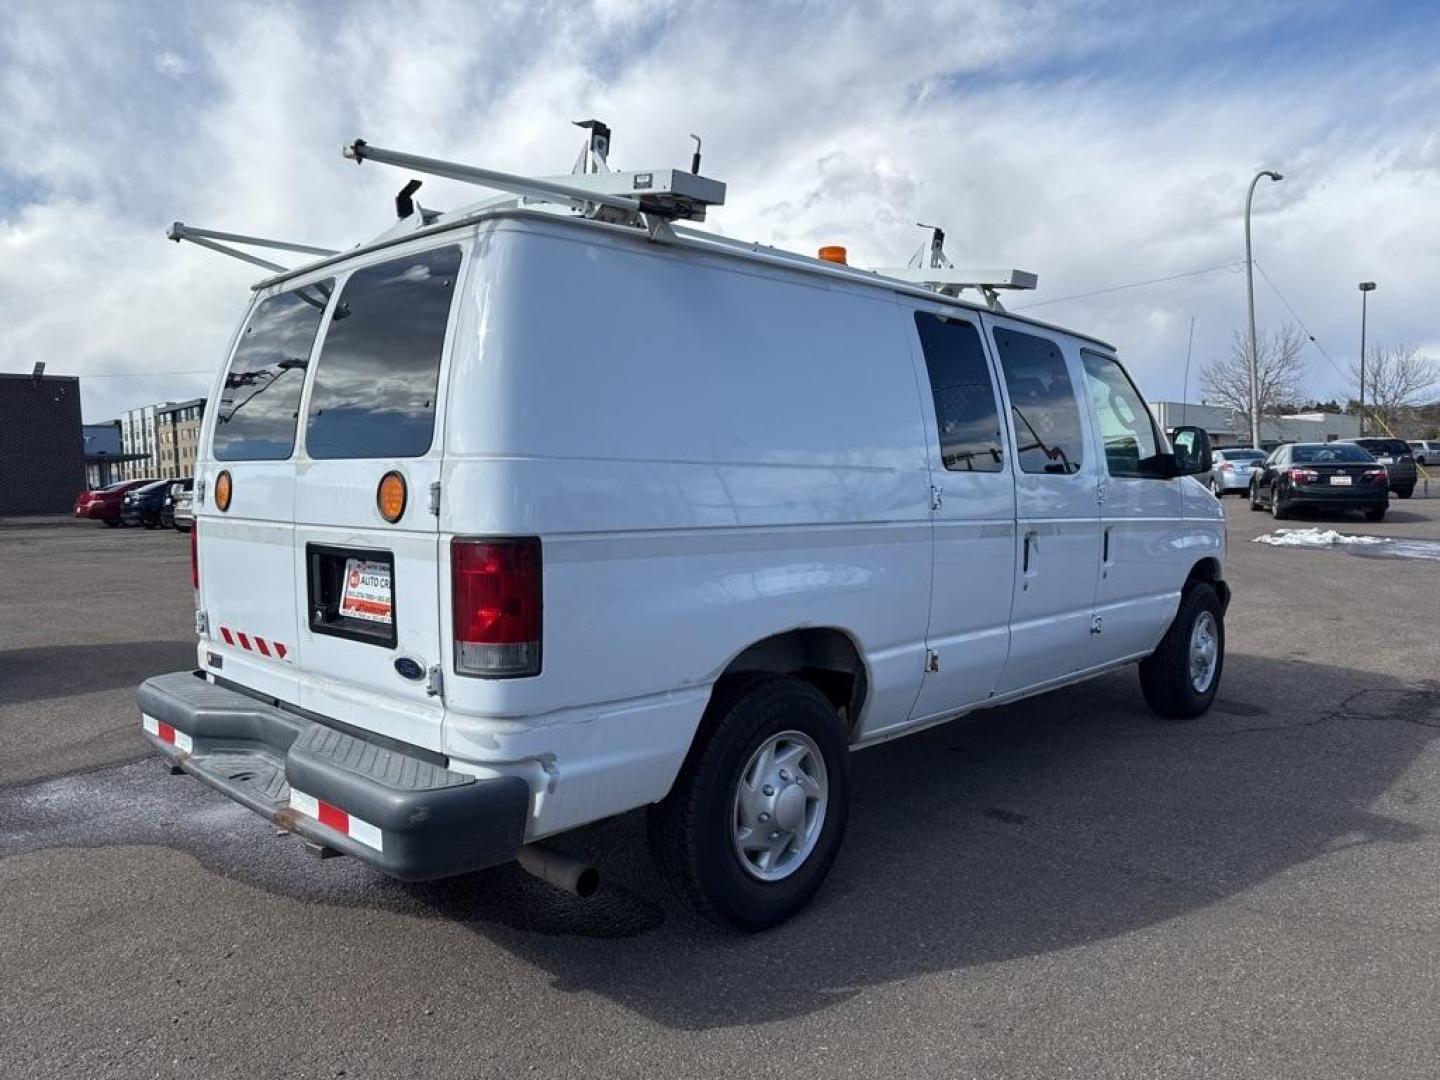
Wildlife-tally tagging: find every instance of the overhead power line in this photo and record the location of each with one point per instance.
(1133, 285)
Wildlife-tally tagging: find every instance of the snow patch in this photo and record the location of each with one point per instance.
(1313, 537)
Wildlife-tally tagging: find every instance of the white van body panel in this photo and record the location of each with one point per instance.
(712, 450)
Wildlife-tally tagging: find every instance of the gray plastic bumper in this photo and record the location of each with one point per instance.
(411, 818)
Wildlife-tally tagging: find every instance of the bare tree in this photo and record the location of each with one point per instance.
(1395, 376)
(1281, 373)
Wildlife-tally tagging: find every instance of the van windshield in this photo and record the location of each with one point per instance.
(260, 400)
(379, 368)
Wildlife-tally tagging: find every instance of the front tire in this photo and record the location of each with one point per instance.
(755, 819)
(1180, 678)
(1405, 492)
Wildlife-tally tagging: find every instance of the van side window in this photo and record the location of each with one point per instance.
(1047, 416)
(1132, 447)
(379, 367)
(965, 411)
(260, 399)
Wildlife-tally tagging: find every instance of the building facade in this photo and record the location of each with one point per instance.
(177, 436)
(42, 446)
(1229, 427)
(137, 439)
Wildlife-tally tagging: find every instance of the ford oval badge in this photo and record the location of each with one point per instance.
(409, 669)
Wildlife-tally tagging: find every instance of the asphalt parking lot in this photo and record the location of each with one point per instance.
(1060, 887)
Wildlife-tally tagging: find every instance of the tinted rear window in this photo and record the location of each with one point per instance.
(1385, 446)
(260, 401)
(374, 393)
(965, 413)
(1337, 452)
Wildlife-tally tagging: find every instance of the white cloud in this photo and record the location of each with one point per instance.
(1096, 145)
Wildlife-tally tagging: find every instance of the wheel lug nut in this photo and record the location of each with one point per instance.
(784, 775)
(768, 790)
(775, 835)
(764, 816)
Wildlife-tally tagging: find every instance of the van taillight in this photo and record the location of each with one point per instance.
(195, 555)
(495, 590)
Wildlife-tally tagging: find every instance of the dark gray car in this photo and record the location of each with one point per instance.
(1398, 459)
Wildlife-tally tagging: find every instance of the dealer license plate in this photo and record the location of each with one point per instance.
(1340, 481)
(1385, 460)
(367, 593)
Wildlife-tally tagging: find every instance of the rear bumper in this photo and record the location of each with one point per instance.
(1355, 497)
(399, 813)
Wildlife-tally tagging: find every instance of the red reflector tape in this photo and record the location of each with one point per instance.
(332, 817)
(167, 733)
(255, 643)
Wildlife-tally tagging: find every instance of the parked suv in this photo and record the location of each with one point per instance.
(1426, 451)
(467, 580)
(1399, 462)
(142, 505)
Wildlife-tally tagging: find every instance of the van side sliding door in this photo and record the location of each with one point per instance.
(973, 517)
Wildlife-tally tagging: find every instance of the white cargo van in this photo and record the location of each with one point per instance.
(537, 512)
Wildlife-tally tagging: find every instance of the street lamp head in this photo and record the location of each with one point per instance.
(1272, 175)
(1367, 286)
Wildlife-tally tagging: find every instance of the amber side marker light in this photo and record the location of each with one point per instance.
(222, 491)
(833, 253)
(390, 497)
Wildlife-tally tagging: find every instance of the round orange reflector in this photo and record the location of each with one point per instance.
(222, 491)
(833, 253)
(390, 496)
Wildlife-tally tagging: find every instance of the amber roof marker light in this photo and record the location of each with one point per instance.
(390, 497)
(222, 491)
(834, 253)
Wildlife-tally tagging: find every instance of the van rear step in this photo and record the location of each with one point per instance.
(408, 817)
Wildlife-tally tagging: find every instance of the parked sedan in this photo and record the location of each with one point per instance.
(182, 513)
(1230, 470)
(1321, 476)
(104, 503)
(142, 505)
(1399, 462)
(173, 494)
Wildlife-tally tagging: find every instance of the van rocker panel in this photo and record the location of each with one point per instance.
(432, 822)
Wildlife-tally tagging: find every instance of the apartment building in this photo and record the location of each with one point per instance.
(177, 437)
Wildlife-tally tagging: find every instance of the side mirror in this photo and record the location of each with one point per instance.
(1192, 451)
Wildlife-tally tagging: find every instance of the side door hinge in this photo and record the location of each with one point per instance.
(202, 624)
(435, 497)
(1096, 625)
(199, 492)
(937, 497)
(1101, 490)
(435, 681)
(932, 661)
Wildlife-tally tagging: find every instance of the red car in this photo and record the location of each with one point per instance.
(104, 505)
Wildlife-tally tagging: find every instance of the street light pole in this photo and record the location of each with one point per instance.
(1366, 288)
(1250, 298)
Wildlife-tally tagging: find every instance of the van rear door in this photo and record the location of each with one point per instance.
(367, 588)
(245, 499)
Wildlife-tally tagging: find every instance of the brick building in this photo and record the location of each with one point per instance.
(177, 436)
(42, 447)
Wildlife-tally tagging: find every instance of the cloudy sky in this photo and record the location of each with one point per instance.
(1097, 144)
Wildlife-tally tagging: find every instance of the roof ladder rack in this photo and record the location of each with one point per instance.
(208, 238)
(651, 198)
(932, 268)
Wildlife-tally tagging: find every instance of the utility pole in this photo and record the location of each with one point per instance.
(1250, 298)
(1366, 288)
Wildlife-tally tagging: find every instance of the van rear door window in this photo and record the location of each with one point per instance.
(965, 412)
(379, 368)
(260, 400)
(1046, 414)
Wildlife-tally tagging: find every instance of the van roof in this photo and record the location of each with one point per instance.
(683, 239)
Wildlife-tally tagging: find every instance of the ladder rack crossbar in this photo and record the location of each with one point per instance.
(527, 186)
(180, 231)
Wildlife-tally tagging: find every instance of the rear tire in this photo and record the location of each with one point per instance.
(1255, 498)
(1180, 678)
(1278, 512)
(697, 833)
(111, 524)
(1405, 492)
(1377, 514)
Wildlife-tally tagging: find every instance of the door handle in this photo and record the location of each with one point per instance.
(1105, 555)
(1030, 541)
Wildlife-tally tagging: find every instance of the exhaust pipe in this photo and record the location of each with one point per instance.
(575, 877)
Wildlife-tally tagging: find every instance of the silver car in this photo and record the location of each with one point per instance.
(184, 508)
(1231, 470)
(1427, 451)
